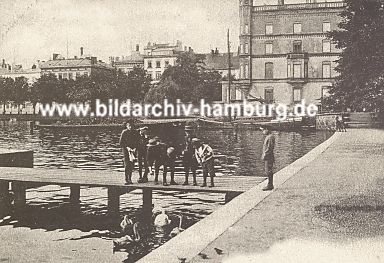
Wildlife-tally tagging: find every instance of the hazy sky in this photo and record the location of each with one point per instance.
(34, 29)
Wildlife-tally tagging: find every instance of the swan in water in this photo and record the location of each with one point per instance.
(127, 242)
(162, 220)
(177, 230)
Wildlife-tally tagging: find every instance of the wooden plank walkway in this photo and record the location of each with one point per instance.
(223, 184)
(24, 178)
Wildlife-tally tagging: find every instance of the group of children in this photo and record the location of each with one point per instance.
(149, 152)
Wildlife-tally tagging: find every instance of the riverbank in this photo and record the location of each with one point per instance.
(329, 211)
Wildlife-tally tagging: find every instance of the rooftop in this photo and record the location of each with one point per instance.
(73, 63)
(135, 57)
(220, 61)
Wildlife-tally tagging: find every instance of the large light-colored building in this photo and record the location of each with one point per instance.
(157, 57)
(71, 68)
(17, 71)
(285, 55)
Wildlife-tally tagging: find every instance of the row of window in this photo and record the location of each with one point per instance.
(70, 75)
(158, 64)
(297, 94)
(293, 71)
(297, 47)
(156, 75)
(58, 69)
(269, 95)
(296, 29)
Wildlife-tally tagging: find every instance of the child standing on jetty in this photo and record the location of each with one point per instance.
(204, 155)
(142, 154)
(128, 143)
(189, 160)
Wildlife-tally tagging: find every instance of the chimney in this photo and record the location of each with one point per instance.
(81, 51)
(137, 48)
(212, 52)
(75, 57)
(94, 60)
(55, 56)
(281, 2)
(216, 51)
(3, 64)
(185, 48)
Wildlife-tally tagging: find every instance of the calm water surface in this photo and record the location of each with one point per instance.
(238, 154)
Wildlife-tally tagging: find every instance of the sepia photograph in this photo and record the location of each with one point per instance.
(235, 131)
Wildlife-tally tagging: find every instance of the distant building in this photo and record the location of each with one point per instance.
(285, 55)
(219, 62)
(71, 68)
(128, 63)
(157, 57)
(16, 71)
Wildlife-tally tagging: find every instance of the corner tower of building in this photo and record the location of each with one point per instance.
(246, 28)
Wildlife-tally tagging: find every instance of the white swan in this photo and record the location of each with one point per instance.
(177, 230)
(127, 242)
(162, 220)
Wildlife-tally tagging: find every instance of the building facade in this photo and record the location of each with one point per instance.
(157, 57)
(71, 68)
(17, 71)
(285, 55)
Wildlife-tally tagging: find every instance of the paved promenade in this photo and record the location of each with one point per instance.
(330, 211)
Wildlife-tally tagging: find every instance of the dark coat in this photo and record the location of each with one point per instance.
(129, 138)
(268, 148)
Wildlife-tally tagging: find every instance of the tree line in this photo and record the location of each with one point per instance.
(188, 81)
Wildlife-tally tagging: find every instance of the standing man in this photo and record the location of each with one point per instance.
(204, 155)
(268, 156)
(142, 154)
(189, 160)
(128, 143)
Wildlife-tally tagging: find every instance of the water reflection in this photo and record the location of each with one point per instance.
(48, 207)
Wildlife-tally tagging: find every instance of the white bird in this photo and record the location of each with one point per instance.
(127, 242)
(162, 220)
(177, 230)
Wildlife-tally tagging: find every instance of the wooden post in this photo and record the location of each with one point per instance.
(147, 203)
(19, 191)
(74, 196)
(113, 200)
(5, 201)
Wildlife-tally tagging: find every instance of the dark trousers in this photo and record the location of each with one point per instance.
(142, 161)
(190, 164)
(268, 169)
(208, 168)
(168, 165)
(128, 165)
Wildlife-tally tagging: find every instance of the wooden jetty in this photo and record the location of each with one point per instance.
(24, 178)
